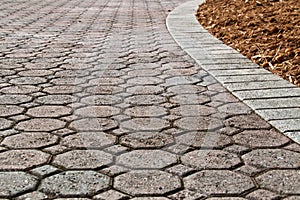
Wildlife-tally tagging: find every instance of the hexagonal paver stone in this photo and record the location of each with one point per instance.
(210, 159)
(97, 111)
(218, 182)
(40, 124)
(261, 138)
(11, 99)
(145, 89)
(146, 111)
(146, 140)
(145, 80)
(20, 89)
(74, 183)
(30, 140)
(145, 124)
(56, 99)
(199, 123)
(144, 100)
(282, 181)
(13, 183)
(150, 159)
(185, 99)
(186, 89)
(22, 159)
(235, 108)
(5, 123)
(89, 140)
(147, 182)
(7, 110)
(181, 80)
(28, 80)
(49, 111)
(83, 159)
(273, 158)
(93, 124)
(247, 122)
(193, 110)
(203, 139)
(101, 100)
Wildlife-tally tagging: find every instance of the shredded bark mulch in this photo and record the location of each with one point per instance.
(266, 31)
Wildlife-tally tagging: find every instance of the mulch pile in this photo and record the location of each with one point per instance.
(266, 31)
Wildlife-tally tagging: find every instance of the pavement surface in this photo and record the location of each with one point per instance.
(99, 102)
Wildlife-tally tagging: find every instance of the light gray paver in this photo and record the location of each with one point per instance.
(12, 183)
(247, 84)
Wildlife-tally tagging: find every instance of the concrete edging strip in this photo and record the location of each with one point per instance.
(274, 99)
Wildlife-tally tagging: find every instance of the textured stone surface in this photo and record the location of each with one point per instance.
(93, 124)
(193, 110)
(9, 110)
(199, 123)
(273, 158)
(97, 111)
(22, 159)
(283, 181)
(5, 124)
(218, 182)
(75, 183)
(40, 124)
(146, 111)
(260, 138)
(147, 182)
(83, 159)
(262, 194)
(146, 140)
(203, 139)
(88, 140)
(212, 159)
(49, 111)
(30, 140)
(145, 124)
(12, 183)
(146, 159)
(110, 194)
(247, 122)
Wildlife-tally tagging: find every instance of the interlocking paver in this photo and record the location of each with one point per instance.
(283, 181)
(151, 159)
(75, 183)
(12, 183)
(218, 182)
(22, 159)
(83, 159)
(30, 140)
(97, 101)
(147, 182)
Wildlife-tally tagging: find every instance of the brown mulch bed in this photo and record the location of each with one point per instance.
(266, 31)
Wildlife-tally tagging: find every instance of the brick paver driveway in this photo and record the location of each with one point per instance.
(98, 102)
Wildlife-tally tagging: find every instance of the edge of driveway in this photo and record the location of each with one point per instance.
(277, 101)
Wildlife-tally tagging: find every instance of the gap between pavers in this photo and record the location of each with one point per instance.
(277, 101)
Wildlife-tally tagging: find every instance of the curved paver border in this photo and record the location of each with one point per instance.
(274, 99)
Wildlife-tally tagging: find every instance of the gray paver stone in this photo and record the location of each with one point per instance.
(272, 158)
(83, 159)
(218, 182)
(30, 140)
(210, 159)
(283, 181)
(147, 182)
(22, 159)
(34, 124)
(146, 159)
(75, 183)
(13, 183)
